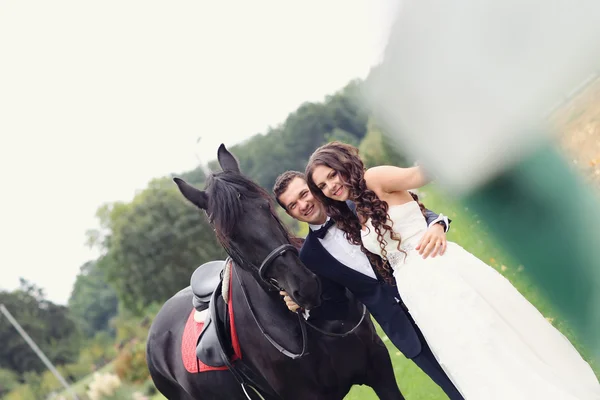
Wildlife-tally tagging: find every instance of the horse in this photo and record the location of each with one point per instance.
(276, 358)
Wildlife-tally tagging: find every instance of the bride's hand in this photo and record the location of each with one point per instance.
(433, 242)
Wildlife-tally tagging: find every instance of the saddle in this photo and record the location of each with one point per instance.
(204, 281)
(213, 347)
(218, 345)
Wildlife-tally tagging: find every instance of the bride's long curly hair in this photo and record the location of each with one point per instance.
(344, 159)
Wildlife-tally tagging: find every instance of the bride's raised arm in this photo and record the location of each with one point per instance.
(389, 179)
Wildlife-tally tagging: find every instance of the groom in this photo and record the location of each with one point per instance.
(330, 255)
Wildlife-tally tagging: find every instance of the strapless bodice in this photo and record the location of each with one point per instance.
(406, 220)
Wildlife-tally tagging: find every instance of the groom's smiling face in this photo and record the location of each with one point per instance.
(301, 204)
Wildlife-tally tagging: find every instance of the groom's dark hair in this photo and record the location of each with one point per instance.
(283, 181)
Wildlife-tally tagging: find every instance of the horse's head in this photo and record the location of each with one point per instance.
(242, 215)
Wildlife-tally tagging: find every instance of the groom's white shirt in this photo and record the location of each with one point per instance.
(345, 252)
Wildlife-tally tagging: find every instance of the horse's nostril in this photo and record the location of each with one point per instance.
(317, 283)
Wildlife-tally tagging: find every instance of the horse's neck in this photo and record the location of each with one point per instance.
(268, 307)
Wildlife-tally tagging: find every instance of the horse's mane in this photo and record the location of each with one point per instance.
(226, 190)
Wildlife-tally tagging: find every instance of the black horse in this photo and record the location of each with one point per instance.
(284, 360)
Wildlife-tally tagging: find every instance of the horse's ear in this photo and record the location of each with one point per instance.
(196, 196)
(226, 160)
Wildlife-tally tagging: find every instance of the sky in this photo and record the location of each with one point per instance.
(98, 98)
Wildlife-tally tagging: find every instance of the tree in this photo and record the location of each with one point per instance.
(305, 129)
(153, 245)
(342, 136)
(348, 109)
(8, 381)
(48, 324)
(93, 301)
(342, 116)
(377, 149)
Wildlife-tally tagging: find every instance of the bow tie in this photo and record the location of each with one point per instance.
(320, 233)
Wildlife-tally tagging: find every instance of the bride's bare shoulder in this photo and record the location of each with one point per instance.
(374, 176)
(378, 177)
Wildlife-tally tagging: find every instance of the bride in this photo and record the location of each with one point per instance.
(490, 340)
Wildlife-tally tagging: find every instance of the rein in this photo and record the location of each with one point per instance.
(340, 335)
(262, 271)
(293, 356)
(279, 251)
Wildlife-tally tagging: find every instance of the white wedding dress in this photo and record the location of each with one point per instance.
(490, 340)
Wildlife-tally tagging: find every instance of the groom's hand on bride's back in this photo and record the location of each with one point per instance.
(433, 242)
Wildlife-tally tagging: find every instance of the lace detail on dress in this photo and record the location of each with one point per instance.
(396, 259)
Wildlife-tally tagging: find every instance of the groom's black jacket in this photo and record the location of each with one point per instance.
(382, 299)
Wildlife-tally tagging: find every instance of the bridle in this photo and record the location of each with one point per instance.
(274, 285)
(263, 269)
(279, 251)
